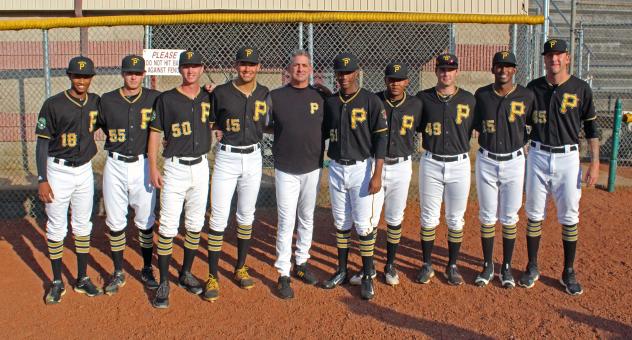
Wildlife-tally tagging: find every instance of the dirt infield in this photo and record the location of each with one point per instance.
(410, 310)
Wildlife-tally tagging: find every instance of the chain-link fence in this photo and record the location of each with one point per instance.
(33, 66)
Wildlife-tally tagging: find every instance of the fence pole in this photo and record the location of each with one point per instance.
(545, 29)
(580, 56)
(300, 35)
(146, 45)
(46, 64)
(452, 46)
(616, 130)
(310, 48)
(571, 49)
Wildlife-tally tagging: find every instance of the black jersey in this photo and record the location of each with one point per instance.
(560, 110)
(69, 124)
(241, 118)
(501, 120)
(186, 123)
(403, 119)
(297, 116)
(357, 126)
(447, 123)
(125, 121)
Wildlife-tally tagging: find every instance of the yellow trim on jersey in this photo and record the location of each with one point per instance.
(42, 136)
(245, 94)
(74, 101)
(380, 130)
(350, 99)
(139, 94)
(398, 105)
(508, 93)
(440, 96)
(186, 95)
(593, 118)
(155, 129)
(569, 77)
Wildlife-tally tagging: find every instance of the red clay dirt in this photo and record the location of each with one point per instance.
(436, 310)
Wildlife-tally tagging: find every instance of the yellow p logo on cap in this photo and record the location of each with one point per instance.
(552, 43)
(81, 64)
(189, 55)
(505, 54)
(248, 52)
(135, 61)
(396, 68)
(345, 61)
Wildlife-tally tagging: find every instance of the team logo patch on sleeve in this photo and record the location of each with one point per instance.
(41, 123)
(153, 116)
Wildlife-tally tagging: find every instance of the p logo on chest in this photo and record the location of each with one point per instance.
(357, 116)
(569, 101)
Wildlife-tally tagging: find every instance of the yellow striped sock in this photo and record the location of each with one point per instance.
(191, 240)
(244, 232)
(366, 245)
(570, 233)
(82, 244)
(510, 231)
(455, 236)
(342, 238)
(215, 240)
(146, 239)
(534, 228)
(55, 249)
(165, 245)
(428, 233)
(393, 234)
(488, 230)
(117, 243)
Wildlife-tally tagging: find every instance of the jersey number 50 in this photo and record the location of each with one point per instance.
(179, 129)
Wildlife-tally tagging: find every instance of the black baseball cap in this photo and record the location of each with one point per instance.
(447, 60)
(133, 63)
(81, 65)
(345, 62)
(248, 54)
(396, 71)
(555, 45)
(504, 57)
(189, 57)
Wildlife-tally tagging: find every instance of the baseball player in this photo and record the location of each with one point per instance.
(296, 114)
(240, 109)
(444, 169)
(562, 104)
(184, 115)
(358, 133)
(501, 112)
(65, 146)
(403, 113)
(124, 116)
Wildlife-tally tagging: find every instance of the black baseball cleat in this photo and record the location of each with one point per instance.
(304, 274)
(161, 300)
(56, 291)
(485, 276)
(339, 278)
(147, 276)
(425, 274)
(85, 286)
(569, 281)
(452, 275)
(190, 283)
(506, 278)
(283, 288)
(366, 289)
(356, 280)
(118, 281)
(530, 276)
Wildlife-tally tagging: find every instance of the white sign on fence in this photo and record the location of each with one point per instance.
(161, 62)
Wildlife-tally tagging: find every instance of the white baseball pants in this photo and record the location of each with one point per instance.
(395, 184)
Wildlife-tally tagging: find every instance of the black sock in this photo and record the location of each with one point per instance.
(453, 252)
(56, 265)
(117, 245)
(55, 253)
(342, 243)
(145, 238)
(215, 240)
(82, 248)
(509, 240)
(163, 267)
(367, 245)
(487, 242)
(569, 238)
(187, 262)
(393, 236)
(534, 232)
(244, 236)
(427, 243)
